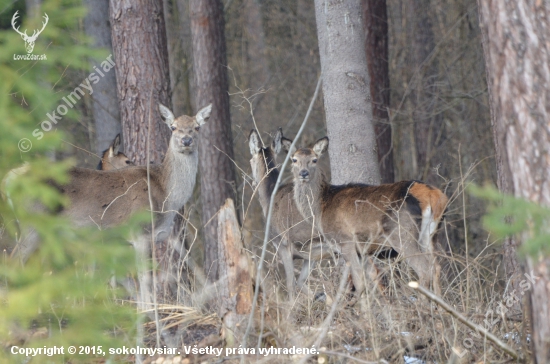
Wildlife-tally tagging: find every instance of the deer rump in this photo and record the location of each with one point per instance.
(373, 213)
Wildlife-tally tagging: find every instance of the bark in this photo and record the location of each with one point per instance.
(141, 57)
(216, 145)
(518, 70)
(105, 109)
(235, 288)
(178, 34)
(512, 266)
(427, 122)
(376, 29)
(33, 8)
(346, 89)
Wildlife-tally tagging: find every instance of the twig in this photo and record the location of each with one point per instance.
(464, 320)
(116, 198)
(335, 353)
(335, 305)
(465, 230)
(268, 219)
(154, 288)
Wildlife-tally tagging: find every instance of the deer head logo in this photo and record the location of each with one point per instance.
(29, 41)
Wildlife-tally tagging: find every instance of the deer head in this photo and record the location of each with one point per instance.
(185, 129)
(304, 161)
(29, 41)
(113, 158)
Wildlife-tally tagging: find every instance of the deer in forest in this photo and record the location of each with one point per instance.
(108, 198)
(291, 234)
(402, 215)
(29, 41)
(112, 158)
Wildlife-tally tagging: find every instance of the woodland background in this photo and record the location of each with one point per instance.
(432, 116)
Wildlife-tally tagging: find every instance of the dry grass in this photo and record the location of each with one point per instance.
(386, 325)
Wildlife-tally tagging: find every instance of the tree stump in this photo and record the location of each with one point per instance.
(235, 283)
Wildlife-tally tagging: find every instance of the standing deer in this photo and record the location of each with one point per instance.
(29, 41)
(108, 198)
(290, 233)
(112, 158)
(385, 215)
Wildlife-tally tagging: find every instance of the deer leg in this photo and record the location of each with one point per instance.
(402, 241)
(286, 256)
(304, 273)
(143, 254)
(26, 246)
(349, 252)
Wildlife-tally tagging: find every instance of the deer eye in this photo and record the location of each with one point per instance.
(315, 160)
(294, 160)
(197, 128)
(128, 162)
(173, 127)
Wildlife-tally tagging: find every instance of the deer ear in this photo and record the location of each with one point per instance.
(286, 145)
(116, 145)
(204, 114)
(276, 143)
(166, 114)
(254, 142)
(321, 146)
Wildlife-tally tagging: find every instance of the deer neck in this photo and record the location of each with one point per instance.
(179, 172)
(308, 197)
(266, 176)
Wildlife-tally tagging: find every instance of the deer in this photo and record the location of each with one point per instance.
(402, 215)
(292, 235)
(109, 198)
(29, 41)
(113, 158)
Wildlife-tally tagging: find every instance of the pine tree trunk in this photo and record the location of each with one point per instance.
(512, 267)
(518, 69)
(376, 29)
(346, 89)
(104, 99)
(141, 59)
(216, 145)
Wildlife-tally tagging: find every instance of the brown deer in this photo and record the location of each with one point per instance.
(108, 198)
(112, 158)
(377, 216)
(291, 234)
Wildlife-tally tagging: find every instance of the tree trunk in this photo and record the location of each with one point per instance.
(512, 267)
(141, 57)
(518, 70)
(346, 89)
(104, 99)
(376, 29)
(178, 34)
(427, 121)
(216, 144)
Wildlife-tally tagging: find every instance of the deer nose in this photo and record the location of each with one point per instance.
(186, 141)
(304, 173)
